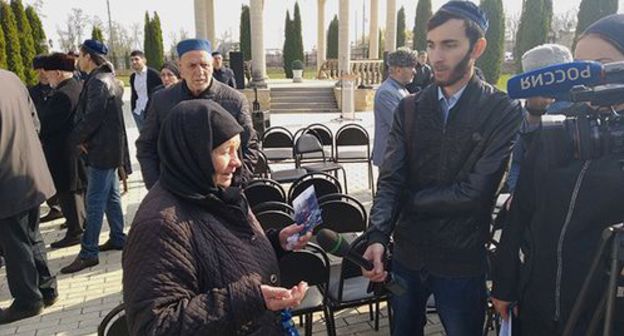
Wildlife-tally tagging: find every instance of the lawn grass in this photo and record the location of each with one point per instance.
(278, 73)
(502, 82)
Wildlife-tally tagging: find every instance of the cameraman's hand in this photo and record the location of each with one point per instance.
(375, 253)
(502, 308)
(538, 105)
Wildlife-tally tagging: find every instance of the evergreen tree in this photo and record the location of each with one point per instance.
(491, 60)
(591, 11)
(96, 34)
(297, 38)
(3, 56)
(147, 37)
(419, 36)
(27, 44)
(400, 30)
(287, 50)
(245, 33)
(158, 57)
(13, 49)
(380, 42)
(533, 28)
(39, 36)
(332, 39)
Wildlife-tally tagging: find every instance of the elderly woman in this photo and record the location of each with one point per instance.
(169, 74)
(197, 261)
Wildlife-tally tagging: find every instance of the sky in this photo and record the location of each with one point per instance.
(177, 15)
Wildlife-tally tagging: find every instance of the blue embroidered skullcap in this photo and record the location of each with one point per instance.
(185, 46)
(468, 10)
(95, 46)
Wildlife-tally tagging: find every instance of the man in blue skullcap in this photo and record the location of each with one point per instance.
(196, 69)
(100, 137)
(446, 154)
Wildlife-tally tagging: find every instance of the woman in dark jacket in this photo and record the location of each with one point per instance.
(197, 261)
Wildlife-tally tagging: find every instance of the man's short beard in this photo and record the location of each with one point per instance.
(459, 71)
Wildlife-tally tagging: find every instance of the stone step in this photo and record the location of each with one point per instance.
(312, 105)
(302, 94)
(296, 100)
(305, 110)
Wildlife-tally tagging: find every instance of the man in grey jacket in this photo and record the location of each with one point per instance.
(25, 183)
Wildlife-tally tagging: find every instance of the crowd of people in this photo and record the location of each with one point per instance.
(196, 260)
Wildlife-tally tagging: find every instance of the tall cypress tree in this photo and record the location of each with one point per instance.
(591, 11)
(245, 33)
(27, 44)
(96, 34)
(158, 58)
(533, 29)
(490, 62)
(400, 29)
(287, 50)
(39, 36)
(297, 37)
(13, 48)
(332, 39)
(423, 13)
(3, 56)
(147, 37)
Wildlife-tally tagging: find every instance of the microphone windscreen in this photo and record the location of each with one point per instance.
(332, 242)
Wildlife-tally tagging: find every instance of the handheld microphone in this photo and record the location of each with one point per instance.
(334, 244)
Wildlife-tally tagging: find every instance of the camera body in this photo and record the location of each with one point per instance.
(592, 125)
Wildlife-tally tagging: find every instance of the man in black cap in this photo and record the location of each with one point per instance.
(446, 154)
(222, 73)
(57, 123)
(100, 137)
(195, 63)
(562, 204)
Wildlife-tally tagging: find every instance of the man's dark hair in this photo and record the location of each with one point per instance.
(95, 57)
(215, 53)
(137, 53)
(472, 29)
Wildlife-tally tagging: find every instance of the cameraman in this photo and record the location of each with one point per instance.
(561, 206)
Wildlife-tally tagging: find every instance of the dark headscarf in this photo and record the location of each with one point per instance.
(191, 130)
(171, 66)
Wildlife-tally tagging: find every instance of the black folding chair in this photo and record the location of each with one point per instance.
(353, 146)
(264, 190)
(273, 205)
(307, 144)
(114, 323)
(342, 213)
(274, 219)
(277, 144)
(325, 137)
(312, 266)
(324, 184)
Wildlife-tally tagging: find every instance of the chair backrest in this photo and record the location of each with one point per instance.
(352, 135)
(349, 269)
(342, 215)
(307, 143)
(274, 219)
(310, 265)
(262, 169)
(277, 137)
(273, 205)
(114, 323)
(264, 190)
(323, 184)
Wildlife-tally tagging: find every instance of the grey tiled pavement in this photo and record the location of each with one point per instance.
(87, 296)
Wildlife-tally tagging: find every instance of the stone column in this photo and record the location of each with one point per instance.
(200, 18)
(320, 35)
(256, 16)
(390, 38)
(373, 35)
(344, 61)
(210, 23)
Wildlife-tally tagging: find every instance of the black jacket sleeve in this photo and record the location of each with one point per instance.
(134, 96)
(391, 182)
(153, 81)
(147, 144)
(98, 94)
(481, 182)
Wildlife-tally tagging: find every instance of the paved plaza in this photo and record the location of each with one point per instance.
(87, 296)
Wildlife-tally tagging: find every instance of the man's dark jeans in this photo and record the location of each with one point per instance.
(460, 302)
(27, 269)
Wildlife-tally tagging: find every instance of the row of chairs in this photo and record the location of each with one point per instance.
(263, 190)
(315, 148)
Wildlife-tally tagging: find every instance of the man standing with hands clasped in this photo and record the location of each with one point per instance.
(446, 154)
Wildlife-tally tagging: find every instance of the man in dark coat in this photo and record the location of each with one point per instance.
(222, 73)
(143, 82)
(25, 183)
(447, 151)
(57, 123)
(99, 135)
(39, 94)
(196, 70)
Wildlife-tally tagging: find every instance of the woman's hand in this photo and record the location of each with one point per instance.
(278, 298)
(289, 231)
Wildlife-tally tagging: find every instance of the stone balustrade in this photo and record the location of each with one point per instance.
(368, 72)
